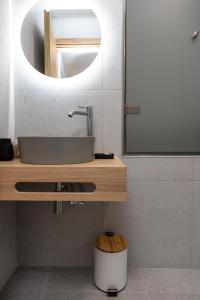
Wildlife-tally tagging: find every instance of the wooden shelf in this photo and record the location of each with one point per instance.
(109, 176)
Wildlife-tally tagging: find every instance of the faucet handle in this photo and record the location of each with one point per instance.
(85, 107)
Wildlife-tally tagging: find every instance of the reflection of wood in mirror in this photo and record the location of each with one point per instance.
(50, 51)
(78, 42)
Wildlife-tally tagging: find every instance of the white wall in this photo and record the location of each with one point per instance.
(8, 249)
(161, 216)
(75, 24)
(4, 67)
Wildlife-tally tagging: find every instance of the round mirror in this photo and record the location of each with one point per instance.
(60, 43)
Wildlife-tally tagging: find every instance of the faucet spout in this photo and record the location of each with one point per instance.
(88, 112)
(76, 112)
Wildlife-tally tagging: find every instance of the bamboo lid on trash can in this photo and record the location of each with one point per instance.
(111, 243)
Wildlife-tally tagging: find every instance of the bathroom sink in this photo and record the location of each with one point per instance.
(56, 150)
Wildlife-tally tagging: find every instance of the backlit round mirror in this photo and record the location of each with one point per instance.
(60, 43)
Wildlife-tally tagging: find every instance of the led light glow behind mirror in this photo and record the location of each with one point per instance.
(60, 43)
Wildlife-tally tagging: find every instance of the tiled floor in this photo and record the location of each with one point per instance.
(77, 284)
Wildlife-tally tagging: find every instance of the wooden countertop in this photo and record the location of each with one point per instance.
(97, 163)
(108, 175)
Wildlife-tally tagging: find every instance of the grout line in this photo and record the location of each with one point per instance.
(193, 202)
(102, 121)
(161, 180)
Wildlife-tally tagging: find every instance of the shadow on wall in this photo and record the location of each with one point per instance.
(8, 243)
(38, 49)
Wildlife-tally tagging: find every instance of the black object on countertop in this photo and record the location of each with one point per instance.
(6, 150)
(109, 233)
(104, 155)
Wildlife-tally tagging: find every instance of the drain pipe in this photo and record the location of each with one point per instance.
(58, 205)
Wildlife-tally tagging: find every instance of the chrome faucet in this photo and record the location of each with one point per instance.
(88, 112)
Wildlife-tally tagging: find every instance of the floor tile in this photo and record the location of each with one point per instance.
(135, 296)
(28, 280)
(173, 297)
(52, 295)
(188, 297)
(169, 281)
(71, 279)
(59, 296)
(77, 284)
(163, 297)
(12, 295)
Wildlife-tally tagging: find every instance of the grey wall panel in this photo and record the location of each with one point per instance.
(45, 239)
(8, 247)
(162, 73)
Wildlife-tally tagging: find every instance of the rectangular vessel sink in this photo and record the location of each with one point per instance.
(56, 150)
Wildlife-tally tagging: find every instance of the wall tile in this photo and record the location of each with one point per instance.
(196, 168)
(112, 121)
(90, 79)
(157, 220)
(168, 169)
(41, 113)
(47, 240)
(112, 44)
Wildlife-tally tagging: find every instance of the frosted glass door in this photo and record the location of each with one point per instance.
(163, 76)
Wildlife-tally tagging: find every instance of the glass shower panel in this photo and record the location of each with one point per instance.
(163, 76)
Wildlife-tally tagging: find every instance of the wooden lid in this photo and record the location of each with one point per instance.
(111, 243)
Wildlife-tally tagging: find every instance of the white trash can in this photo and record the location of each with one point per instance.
(110, 263)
